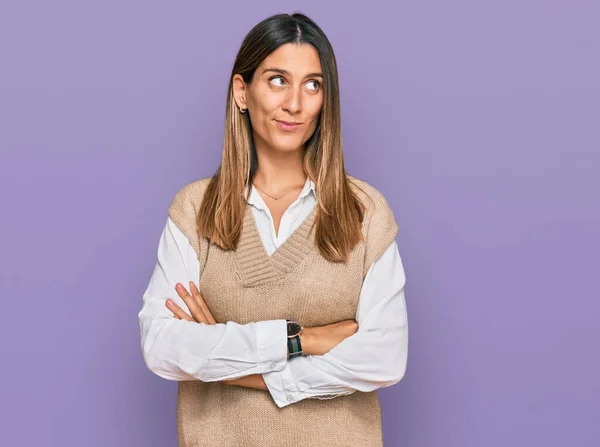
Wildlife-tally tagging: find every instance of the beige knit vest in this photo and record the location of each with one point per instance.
(295, 282)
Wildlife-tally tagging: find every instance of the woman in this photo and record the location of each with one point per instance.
(279, 233)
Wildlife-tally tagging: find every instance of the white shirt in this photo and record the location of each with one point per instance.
(174, 349)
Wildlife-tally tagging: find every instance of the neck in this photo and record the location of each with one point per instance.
(278, 170)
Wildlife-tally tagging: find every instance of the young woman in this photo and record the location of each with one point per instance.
(277, 300)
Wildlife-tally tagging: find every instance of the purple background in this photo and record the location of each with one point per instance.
(479, 121)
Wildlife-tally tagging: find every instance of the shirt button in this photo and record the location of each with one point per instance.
(274, 365)
(289, 398)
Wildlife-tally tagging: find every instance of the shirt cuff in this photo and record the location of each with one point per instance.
(271, 343)
(283, 387)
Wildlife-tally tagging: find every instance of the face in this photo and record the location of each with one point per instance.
(284, 98)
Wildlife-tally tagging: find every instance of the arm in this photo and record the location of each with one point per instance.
(177, 349)
(315, 341)
(374, 357)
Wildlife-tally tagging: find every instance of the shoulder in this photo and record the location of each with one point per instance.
(185, 205)
(189, 196)
(379, 224)
(184, 208)
(373, 199)
(379, 220)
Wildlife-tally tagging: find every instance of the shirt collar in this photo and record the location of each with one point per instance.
(256, 200)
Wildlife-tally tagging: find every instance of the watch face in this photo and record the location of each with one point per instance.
(293, 328)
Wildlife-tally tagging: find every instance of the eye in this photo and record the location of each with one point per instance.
(316, 85)
(277, 81)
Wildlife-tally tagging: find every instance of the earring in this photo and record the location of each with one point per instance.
(243, 110)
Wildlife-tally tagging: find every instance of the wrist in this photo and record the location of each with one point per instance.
(307, 340)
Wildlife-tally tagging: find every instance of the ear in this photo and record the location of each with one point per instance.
(239, 91)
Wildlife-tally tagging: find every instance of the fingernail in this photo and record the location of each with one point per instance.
(178, 286)
(169, 302)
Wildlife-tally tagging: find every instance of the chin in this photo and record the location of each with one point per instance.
(287, 144)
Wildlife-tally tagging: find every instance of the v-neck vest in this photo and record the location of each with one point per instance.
(256, 266)
(296, 282)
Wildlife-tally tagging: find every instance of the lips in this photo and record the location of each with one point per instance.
(287, 125)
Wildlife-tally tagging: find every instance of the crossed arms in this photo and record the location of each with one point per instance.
(183, 342)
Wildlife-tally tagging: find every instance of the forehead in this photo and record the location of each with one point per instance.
(295, 58)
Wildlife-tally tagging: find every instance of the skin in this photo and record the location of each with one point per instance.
(287, 86)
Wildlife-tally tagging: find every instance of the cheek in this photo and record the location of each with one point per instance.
(266, 104)
(314, 106)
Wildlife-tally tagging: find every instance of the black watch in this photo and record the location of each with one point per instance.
(294, 329)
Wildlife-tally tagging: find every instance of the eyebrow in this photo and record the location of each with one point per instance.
(285, 72)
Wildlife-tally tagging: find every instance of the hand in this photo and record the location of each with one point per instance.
(255, 381)
(194, 302)
(321, 339)
(201, 314)
(315, 341)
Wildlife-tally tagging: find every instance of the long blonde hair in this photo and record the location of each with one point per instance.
(340, 213)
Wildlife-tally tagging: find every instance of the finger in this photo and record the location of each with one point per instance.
(178, 311)
(202, 303)
(191, 304)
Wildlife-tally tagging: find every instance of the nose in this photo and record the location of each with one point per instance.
(293, 101)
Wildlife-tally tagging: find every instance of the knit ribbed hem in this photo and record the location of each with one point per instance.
(257, 267)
